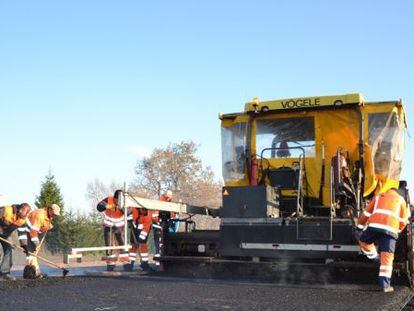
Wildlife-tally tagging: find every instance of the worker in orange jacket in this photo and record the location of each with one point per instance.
(114, 224)
(38, 222)
(12, 217)
(142, 221)
(382, 220)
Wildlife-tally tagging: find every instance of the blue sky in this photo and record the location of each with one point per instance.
(86, 87)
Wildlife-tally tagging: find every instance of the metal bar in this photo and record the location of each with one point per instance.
(301, 247)
(125, 218)
(299, 206)
(98, 248)
(154, 204)
(344, 248)
(248, 147)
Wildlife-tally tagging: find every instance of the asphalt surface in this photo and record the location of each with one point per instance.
(135, 291)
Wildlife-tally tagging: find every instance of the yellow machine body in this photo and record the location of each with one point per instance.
(371, 133)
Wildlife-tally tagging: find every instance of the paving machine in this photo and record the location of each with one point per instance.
(297, 173)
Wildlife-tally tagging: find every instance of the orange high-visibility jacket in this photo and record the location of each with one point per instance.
(9, 220)
(38, 222)
(387, 212)
(9, 216)
(112, 216)
(142, 221)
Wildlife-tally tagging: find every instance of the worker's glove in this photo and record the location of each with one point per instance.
(110, 206)
(357, 233)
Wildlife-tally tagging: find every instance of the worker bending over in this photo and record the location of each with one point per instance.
(12, 217)
(38, 223)
(382, 220)
(114, 224)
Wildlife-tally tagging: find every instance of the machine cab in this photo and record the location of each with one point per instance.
(320, 155)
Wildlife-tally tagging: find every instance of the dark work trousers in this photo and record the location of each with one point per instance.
(157, 232)
(387, 245)
(117, 232)
(6, 260)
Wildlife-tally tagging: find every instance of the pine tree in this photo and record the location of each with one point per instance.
(50, 194)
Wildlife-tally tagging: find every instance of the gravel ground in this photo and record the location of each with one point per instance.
(159, 293)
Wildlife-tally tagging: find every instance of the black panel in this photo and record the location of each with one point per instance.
(186, 243)
(283, 178)
(310, 229)
(232, 235)
(244, 202)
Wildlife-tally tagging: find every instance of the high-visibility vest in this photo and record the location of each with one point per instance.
(387, 212)
(143, 221)
(113, 217)
(38, 222)
(9, 220)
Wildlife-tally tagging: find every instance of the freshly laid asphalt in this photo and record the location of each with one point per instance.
(134, 291)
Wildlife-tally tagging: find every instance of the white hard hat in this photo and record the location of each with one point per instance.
(56, 209)
(168, 193)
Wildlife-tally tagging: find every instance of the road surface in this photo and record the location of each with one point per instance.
(134, 291)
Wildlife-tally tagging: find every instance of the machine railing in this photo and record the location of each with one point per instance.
(299, 194)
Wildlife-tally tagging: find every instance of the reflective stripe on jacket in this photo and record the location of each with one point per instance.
(112, 216)
(142, 220)
(38, 222)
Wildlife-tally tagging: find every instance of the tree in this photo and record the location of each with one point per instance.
(179, 169)
(95, 192)
(50, 194)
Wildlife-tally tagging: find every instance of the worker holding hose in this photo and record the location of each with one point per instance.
(12, 217)
(382, 220)
(38, 223)
(114, 224)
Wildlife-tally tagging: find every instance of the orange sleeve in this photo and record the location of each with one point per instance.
(8, 216)
(147, 222)
(366, 214)
(47, 225)
(35, 228)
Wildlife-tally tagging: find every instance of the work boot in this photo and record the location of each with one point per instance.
(388, 289)
(41, 276)
(8, 277)
(110, 268)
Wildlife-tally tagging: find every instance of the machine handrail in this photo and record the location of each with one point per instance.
(278, 148)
